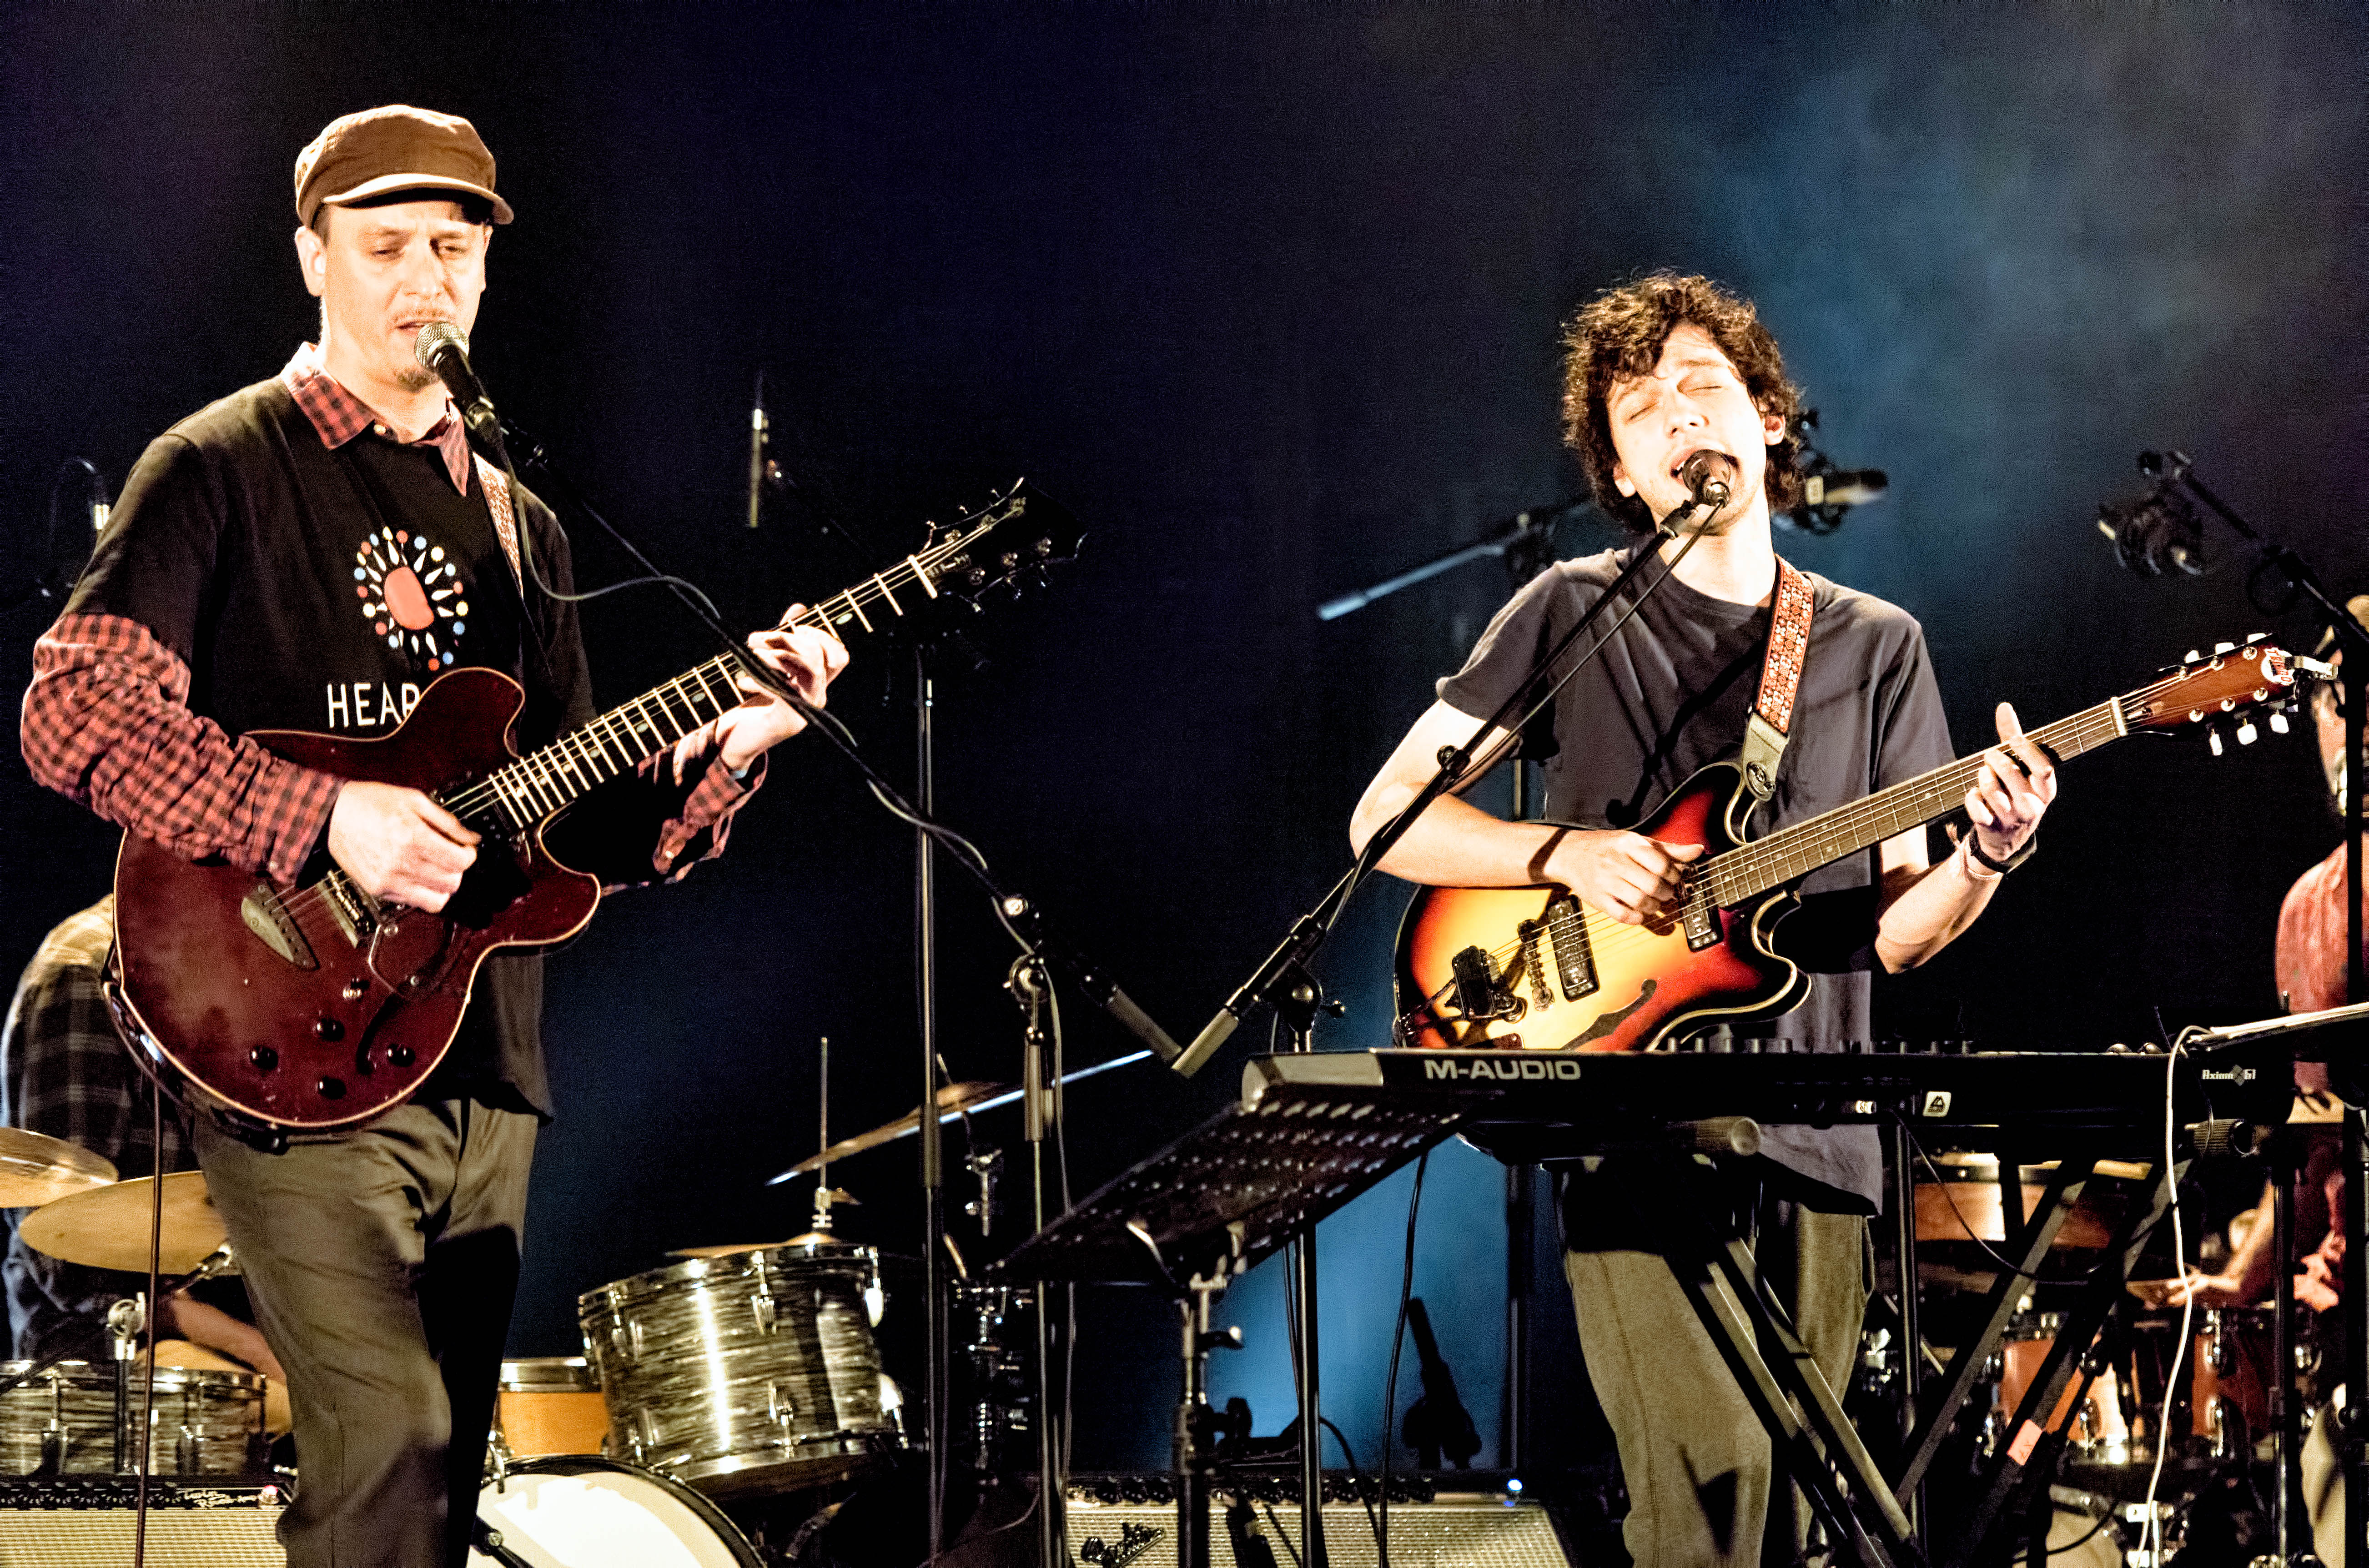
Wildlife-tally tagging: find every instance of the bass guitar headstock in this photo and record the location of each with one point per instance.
(2216, 692)
(1005, 548)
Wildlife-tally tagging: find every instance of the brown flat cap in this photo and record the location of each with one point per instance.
(393, 147)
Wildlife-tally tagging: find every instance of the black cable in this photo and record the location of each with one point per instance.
(142, 1454)
(1966, 1225)
(1356, 1475)
(1398, 1340)
(1280, 1535)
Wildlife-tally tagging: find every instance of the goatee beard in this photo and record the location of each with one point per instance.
(415, 378)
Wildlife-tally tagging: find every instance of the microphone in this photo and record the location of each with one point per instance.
(1705, 476)
(1844, 488)
(760, 425)
(443, 347)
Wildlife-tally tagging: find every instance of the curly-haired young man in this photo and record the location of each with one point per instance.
(1659, 372)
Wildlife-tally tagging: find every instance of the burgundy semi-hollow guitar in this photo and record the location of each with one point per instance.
(1539, 967)
(314, 1007)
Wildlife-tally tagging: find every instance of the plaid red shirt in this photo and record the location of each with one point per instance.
(107, 721)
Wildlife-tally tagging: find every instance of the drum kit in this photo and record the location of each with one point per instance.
(739, 1374)
(2223, 1392)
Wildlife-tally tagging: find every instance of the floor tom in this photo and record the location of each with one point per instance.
(574, 1511)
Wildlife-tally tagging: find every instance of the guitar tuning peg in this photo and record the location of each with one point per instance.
(2248, 734)
(2213, 739)
(2258, 636)
(2192, 656)
(2224, 648)
(2278, 721)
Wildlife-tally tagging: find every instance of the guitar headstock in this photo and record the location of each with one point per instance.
(1006, 547)
(2233, 683)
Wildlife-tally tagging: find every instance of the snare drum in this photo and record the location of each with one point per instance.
(204, 1423)
(570, 1511)
(2099, 1433)
(750, 1373)
(550, 1404)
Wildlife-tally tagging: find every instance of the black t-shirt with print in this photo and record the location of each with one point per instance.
(1669, 694)
(318, 590)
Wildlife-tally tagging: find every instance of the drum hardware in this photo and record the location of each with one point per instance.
(750, 1373)
(61, 1420)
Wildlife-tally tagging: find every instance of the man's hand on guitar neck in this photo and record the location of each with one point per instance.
(398, 845)
(810, 657)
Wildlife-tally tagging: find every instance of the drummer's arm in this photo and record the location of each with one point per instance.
(217, 1330)
(2246, 1278)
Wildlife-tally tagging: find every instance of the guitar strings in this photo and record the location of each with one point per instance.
(1728, 878)
(536, 774)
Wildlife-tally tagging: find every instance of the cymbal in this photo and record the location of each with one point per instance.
(951, 1098)
(729, 1248)
(107, 1227)
(36, 1169)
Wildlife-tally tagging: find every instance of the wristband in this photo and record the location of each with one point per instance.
(1966, 862)
(1975, 848)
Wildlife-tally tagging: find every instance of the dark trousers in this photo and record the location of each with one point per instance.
(382, 1266)
(1696, 1461)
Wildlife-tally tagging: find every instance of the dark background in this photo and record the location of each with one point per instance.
(1269, 296)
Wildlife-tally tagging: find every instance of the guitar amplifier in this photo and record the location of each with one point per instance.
(1452, 1529)
(88, 1523)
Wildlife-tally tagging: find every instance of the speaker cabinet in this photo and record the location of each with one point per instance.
(89, 1524)
(1450, 1531)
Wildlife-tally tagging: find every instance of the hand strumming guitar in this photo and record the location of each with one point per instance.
(398, 845)
(1634, 879)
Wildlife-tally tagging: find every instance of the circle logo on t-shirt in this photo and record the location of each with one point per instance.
(412, 595)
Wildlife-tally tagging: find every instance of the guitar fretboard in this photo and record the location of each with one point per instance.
(1752, 869)
(519, 794)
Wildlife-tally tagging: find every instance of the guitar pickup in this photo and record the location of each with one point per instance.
(1478, 994)
(355, 911)
(268, 917)
(1574, 960)
(1700, 918)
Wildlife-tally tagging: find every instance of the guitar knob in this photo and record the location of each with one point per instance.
(263, 1059)
(328, 1028)
(399, 1056)
(331, 1088)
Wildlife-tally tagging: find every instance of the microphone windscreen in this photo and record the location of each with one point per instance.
(435, 337)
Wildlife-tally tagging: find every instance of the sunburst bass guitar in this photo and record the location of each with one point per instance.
(313, 1008)
(1539, 967)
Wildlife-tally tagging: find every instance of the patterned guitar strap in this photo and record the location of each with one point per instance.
(1771, 723)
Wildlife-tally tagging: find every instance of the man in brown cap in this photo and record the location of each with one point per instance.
(307, 554)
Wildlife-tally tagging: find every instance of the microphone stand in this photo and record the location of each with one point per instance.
(1526, 541)
(1020, 917)
(1284, 983)
(2352, 1431)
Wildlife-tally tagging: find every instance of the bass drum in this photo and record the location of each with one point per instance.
(574, 1511)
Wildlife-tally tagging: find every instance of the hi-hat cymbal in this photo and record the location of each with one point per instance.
(729, 1249)
(951, 1098)
(107, 1227)
(36, 1169)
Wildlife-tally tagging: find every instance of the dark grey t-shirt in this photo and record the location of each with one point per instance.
(1671, 694)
